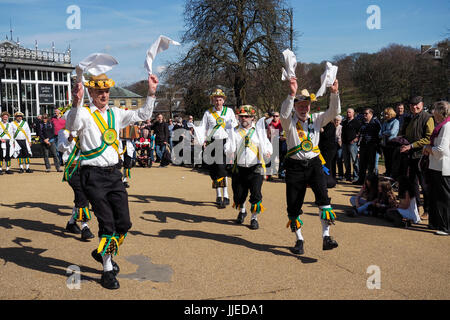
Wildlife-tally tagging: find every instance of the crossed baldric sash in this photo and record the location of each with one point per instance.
(247, 143)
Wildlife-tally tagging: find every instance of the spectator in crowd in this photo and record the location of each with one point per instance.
(170, 125)
(328, 149)
(417, 131)
(389, 130)
(406, 212)
(386, 200)
(350, 130)
(365, 197)
(275, 131)
(190, 119)
(400, 114)
(48, 141)
(439, 169)
(368, 144)
(337, 160)
(58, 123)
(37, 124)
(147, 124)
(161, 130)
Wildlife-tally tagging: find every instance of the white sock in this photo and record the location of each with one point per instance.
(83, 225)
(298, 233)
(27, 166)
(325, 228)
(325, 225)
(254, 216)
(124, 179)
(107, 264)
(21, 166)
(243, 207)
(225, 192)
(72, 220)
(219, 192)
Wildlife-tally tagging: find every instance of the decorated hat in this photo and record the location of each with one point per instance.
(18, 114)
(99, 82)
(5, 113)
(305, 96)
(218, 93)
(246, 110)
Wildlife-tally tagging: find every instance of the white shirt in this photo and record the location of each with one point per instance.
(80, 120)
(8, 127)
(20, 134)
(440, 158)
(64, 145)
(317, 121)
(208, 123)
(412, 213)
(247, 158)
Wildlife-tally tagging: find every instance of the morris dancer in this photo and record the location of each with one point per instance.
(97, 127)
(67, 145)
(249, 144)
(22, 136)
(6, 147)
(304, 164)
(213, 130)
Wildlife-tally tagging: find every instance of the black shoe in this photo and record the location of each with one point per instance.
(9, 172)
(226, 201)
(357, 183)
(21, 171)
(298, 248)
(329, 243)
(218, 200)
(254, 224)
(1, 172)
(352, 213)
(109, 280)
(126, 184)
(86, 234)
(73, 228)
(29, 170)
(98, 257)
(241, 217)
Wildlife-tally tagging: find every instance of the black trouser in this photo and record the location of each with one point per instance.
(7, 157)
(415, 178)
(300, 174)
(245, 180)
(80, 199)
(388, 153)
(367, 157)
(23, 149)
(50, 150)
(439, 213)
(218, 169)
(109, 199)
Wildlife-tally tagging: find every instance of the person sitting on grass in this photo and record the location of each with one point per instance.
(385, 200)
(365, 197)
(406, 213)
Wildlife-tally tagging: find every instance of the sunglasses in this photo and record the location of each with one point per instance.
(245, 116)
(276, 116)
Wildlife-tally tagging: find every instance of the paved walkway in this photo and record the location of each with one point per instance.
(182, 247)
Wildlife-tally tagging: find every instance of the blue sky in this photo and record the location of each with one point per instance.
(126, 29)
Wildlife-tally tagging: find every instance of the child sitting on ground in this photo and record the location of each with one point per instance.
(365, 197)
(406, 212)
(385, 200)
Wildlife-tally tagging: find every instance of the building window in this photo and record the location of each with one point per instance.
(27, 75)
(134, 103)
(9, 74)
(28, 101)
(61, 95)
(123, 103)
(45, 75)
(10, 97)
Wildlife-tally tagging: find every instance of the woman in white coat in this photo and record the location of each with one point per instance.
(439, 169)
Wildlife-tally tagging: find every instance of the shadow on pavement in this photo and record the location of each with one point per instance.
(150, 198)
(30, 258)
(161, 217)
(53, 208)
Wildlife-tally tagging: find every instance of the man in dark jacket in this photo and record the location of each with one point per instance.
(48, 141)
(350, 130)
(368, 144)
(417, 130)
(161, 130)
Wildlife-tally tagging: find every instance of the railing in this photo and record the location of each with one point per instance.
(37, 55)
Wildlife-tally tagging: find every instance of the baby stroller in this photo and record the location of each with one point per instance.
(143, 152)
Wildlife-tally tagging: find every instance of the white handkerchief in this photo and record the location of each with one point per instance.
(290, 63)
(158, 46)
(327, 78)
(95, 64)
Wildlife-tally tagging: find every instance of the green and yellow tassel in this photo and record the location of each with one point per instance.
(257, 207)
(83, 214)
(237, 206)
(298, 224)
(219, 183)
(127, 173)
(328, 215)
(109, 245)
